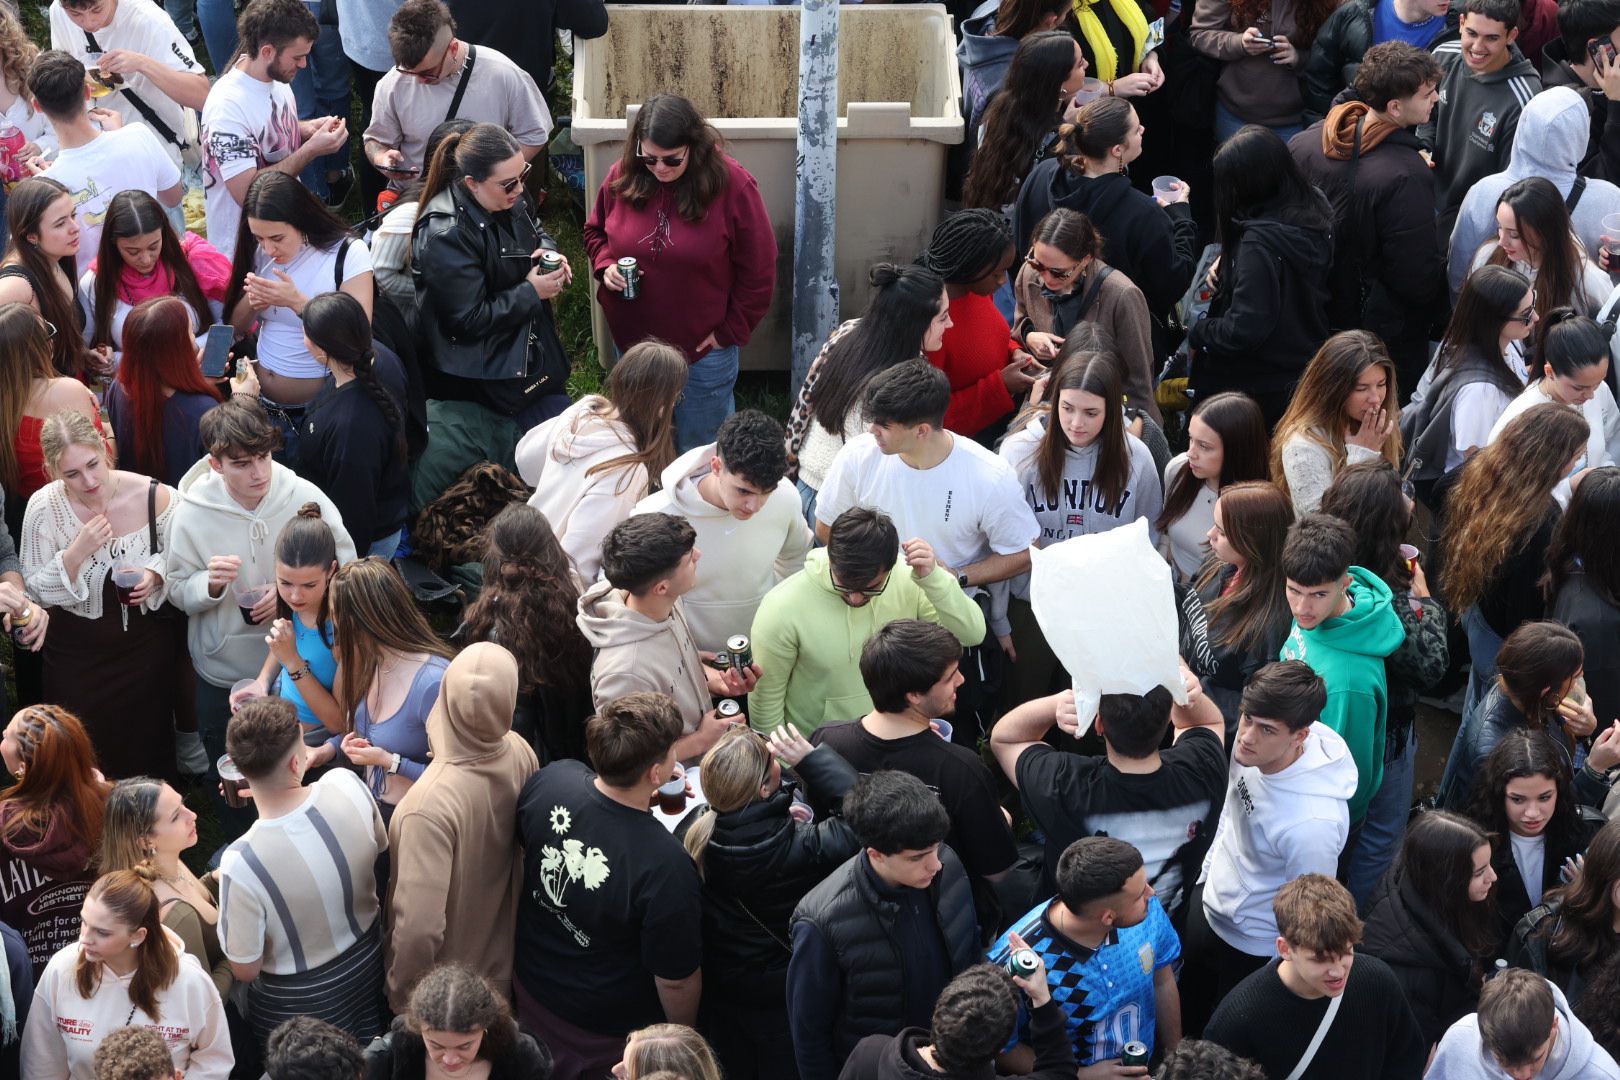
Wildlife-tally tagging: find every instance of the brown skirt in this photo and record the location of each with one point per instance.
(121, 683)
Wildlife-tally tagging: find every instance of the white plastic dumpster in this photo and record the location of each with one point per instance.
(899, 96)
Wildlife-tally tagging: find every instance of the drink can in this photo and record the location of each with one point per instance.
(728, 708)
(550, 262)
(721, 661)
(631, 272)
(12, 140)
(20, 621)
(1134, 1053)
(1023, 963)
(742, 653)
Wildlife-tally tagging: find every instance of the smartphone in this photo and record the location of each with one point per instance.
(406, 170)
(1267, 42)
(1602, 52)
(216, 350)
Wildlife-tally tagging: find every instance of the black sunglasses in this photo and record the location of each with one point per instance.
(1057, 275)
(511, 185)
(1526, 317)
(670, 161)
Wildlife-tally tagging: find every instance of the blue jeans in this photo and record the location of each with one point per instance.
(322, 89)
(184, 14)
(707, 400)
(385, 548)
(218, 21)
(807, 500)
(1483, 645)
(1227, 124)
(1384, 826)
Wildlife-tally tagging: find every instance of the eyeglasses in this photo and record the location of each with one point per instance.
(1054, 272)
(511, 185)
(437, 72)
(669, 161)
(868, 591)
(1527, 316)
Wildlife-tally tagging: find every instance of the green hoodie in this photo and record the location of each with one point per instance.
(1348, 652)
(807, 640)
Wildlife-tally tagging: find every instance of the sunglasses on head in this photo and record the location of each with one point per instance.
(1055, 273)
(511, 185)
(669, 161)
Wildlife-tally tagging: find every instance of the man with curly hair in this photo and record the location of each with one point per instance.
(134, 1053)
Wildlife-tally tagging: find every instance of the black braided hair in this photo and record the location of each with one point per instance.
(365, 373)
(337, 323)
(967, 245)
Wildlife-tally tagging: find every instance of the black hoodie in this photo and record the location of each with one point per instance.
(1602, 160)
(1156, 247)
(895, 1057)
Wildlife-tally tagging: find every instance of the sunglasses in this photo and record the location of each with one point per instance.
(436, 73)
(511, 185)
(868, 591)
(669, 161)
(1054, 272)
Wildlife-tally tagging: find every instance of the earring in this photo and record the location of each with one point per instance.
(151, 851)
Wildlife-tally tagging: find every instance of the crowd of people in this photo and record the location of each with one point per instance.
(758, 747)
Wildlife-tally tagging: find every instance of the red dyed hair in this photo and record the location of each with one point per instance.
(59, 778)
(160, 352)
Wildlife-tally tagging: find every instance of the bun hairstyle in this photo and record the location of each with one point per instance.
(892, 328)
(306, 542)
(1100, 125)
(1569, 343)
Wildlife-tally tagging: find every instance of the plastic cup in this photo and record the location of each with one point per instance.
(247, 598)
(251, 686)
(1166, 187)
(126, 575)
(231, 780)
(942, 728)
(1610, 226)
(672, 796)
(1410, 554)
(1089, 90)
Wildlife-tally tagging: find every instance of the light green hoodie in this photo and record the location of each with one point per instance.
(807, 640)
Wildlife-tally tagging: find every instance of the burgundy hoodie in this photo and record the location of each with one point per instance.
(43, 880)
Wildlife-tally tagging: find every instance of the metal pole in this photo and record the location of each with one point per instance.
(815, 284)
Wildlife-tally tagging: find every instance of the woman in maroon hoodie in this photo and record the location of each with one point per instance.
(50, 827)
(693, 221)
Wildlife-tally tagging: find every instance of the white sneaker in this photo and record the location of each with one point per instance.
(189, 754)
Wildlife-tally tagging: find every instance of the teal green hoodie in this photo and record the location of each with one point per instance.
(1348, 652)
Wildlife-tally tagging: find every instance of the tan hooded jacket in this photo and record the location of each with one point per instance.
(453, 892)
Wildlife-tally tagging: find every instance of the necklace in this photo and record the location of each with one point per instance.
(111, 495)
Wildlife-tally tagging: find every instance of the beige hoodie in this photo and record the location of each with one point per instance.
(634, 653)
(453, 894)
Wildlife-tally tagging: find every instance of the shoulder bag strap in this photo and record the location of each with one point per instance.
(1576, 190)
(1091, 294)
(1316, 1040)
(151, 518)
(152, 119)
(461, 87)
(337, 263)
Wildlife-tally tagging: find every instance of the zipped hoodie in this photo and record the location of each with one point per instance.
(635, 653)
(1553, 135)
(556, 458)
(1348, 652)
(807, 640)
(748, 557)
(1472, 128)
(1273, 829)
(208, 522)
(64, 1029)
(1575, 1055)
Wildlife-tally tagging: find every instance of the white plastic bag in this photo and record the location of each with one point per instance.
(1108, 609)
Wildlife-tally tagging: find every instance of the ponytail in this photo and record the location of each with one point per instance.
(698, 836)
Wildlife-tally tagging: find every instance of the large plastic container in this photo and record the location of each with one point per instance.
(899, 95)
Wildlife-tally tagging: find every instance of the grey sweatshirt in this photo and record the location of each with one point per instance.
(1472, 127)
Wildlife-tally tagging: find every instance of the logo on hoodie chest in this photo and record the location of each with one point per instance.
(1484, 131)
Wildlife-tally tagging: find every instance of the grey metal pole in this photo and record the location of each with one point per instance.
(815, 214)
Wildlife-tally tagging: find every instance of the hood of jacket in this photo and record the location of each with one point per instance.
(1339, 130)
(576, 436)
(981, 45)
(606, 620)
(1326, 768)
(205, 488)
(1370, 627)
(680, 481)
(1093, 196)
(1301, 248)
(57, 854)
(476, 701)
(1552, 136)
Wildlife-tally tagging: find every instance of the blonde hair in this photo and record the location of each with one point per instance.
(131, 812)
(734, 769)
(69, 428)
(372, 610)
(674, 1048)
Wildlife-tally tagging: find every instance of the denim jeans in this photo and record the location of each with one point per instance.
(807, 501)
(708, 399)
(217, 18)
(1385, 824)
(1227, 124)
(322, 89)
(385, 548)
(1483, 645)
(184, 14)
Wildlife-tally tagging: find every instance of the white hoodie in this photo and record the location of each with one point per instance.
(742, 560)
(208, 522)
(555, 458)
(1273, 829)
(1575, 1055)
(64, 1029)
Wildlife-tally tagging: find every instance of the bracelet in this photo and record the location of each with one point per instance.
(1110, 87)
(299, 674)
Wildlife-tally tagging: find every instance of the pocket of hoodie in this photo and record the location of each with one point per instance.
(848, 707)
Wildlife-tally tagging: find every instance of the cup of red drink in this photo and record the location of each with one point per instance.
(247, 598)
(126, 577)
(231, 781)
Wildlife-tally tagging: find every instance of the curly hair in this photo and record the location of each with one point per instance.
(133, 1053)
(1198, 1059)
(972, 1019)
(1504, 494)
(528, 602)
(308, 1048)
(17, 54)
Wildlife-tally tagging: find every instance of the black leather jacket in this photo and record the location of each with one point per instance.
(480, 318)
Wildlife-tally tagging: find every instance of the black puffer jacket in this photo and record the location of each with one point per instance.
(759, 864)
(478, 313)
(1512, 901)
(1336, 54)
(1434, 969)
(402, 1056)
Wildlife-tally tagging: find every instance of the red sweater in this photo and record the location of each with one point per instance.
(976, 347)
(714, 276)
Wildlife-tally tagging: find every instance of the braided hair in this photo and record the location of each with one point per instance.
(967, 245)
(337, 323)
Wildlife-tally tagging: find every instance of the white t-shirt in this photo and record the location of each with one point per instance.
(1602, 419)
(142, 27)
(1186, 541)
(281, 331)
(967, 507)
(127, 159)
(246, 125)
(1530, 853)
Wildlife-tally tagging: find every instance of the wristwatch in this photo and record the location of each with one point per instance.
(393, 766)
(962, 579)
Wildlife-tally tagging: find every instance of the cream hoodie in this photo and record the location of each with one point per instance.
(208, 522)
(554, 459)
(634, 653)
(64, 1029)
(743, 559)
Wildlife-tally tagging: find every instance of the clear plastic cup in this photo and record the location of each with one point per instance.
(1610, 226)
(942, 728)
(1166, 187)
(247, 598)
(1089, 90)
(248, 689)
(672, 795)
(126, 575)
(231, 781)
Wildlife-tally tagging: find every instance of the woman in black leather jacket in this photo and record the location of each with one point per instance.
(485, 304)
(758, 857)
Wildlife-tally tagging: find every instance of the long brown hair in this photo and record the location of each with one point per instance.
(1505, 492)
(128, 896)
(25, 359)
(1437, 860)
(1237, 419)
(136, 213)
(528, 601)
(26, 206)
(643, 388)
(1583, 933)
(1255, 517)
(59, 778)
(131, 813)
(670, 121)
(372, 610)
(1093, 373)
(1316, 411)
(1028, 108)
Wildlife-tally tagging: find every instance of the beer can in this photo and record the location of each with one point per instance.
(728, 708)
(721, 661)
(19, 623)
(1023, 963)
(1134, 1053)
(549, 262)
(742, 654)
(632, 278)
